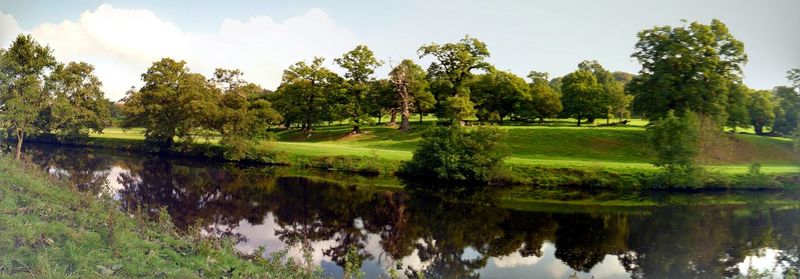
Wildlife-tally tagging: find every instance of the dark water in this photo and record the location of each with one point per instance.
(415, 232)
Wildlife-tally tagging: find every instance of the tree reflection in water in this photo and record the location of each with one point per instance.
(440, 235)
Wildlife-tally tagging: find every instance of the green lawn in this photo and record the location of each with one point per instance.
(555, 143)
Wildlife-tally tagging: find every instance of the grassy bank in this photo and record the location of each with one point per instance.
(49, 230)
(554, 154)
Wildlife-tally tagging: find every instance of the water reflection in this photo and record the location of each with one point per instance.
(418, 233)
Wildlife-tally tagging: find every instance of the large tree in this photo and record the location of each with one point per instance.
(360, 64)
(760, 110)
(787, 110)
(686, 68)
(173, 102)
(545, 100)
(78, 105)
(308, 94)
(615, 100)
(498, 94)
(243, 115)
(23, 68)
(411, 89)
(453, 65)
(581, 95)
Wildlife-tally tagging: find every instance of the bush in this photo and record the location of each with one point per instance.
(757, 180)
(675, 141)
(458, 154)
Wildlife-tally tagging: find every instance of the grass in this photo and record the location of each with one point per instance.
(50, 230)
(557, 143)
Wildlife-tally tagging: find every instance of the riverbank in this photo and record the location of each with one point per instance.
(549, 156)
(48, 229)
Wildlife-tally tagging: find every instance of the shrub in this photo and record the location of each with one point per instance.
(675, 141)
(458, 154)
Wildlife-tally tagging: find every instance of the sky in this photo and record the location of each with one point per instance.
(122, 38)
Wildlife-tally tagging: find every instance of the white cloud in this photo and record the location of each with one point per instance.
(515, 260)
(122, 43)
(9, 28)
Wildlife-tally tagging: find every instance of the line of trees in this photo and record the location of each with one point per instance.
(694, 68)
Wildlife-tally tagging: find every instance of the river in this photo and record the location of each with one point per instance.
(384, 229)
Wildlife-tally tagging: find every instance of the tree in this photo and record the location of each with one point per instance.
(456, 153)
(173, 103)
(787, 110)
(411, 89)
(308, 94)
(615, 101)
(686, 68)
(760, 109)
(23, 68)
(737, 108)
(360, 64)
(243, 115)
(498, 94)
(675, 141)
(78, 105)
(582, 96)
(381, 99)
(453, 65)
(545, 101)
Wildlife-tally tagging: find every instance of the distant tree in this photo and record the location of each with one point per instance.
(623, 77)
(675, 141)
(787, 110)
(737, 107)
(381, 99)
(453, 67)
(498, 94)
(78, 104)
(761, 110)
(308, 94)
(615, 100)
(23, 68)
(456, 153)
(411, 89)
(545, 101)
(243, 115)
(556, 84)
(360, 64)
(173, 103)
(582, 96)
(686, 68)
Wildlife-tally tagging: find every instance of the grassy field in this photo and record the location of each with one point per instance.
(554, 144)
(50, 230)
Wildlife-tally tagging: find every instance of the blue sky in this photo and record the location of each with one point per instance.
(121, 38)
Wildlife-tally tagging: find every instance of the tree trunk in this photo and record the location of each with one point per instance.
(393, 119)
(420, 118)
(20, 138)
(356, 129)
(379, 118)
(759, 129)
(579, 120)
(541, 120)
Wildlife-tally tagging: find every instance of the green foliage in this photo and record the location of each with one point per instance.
(545, 101)
(755, 179)
(452, 68)
(675, 141)
(739, 100)
(686, 68)
(499, 94)
(787, 110)
(458, 108)
(309, 94)
(78, 106)
(23, 68)
(173, 102)
(412, 90)
(582, 95)
(360, 64)
(457, 154)
(761, 110)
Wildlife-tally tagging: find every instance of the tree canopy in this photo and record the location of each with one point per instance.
(686, 68)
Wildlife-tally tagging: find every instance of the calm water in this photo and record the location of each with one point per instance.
(413, 232)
